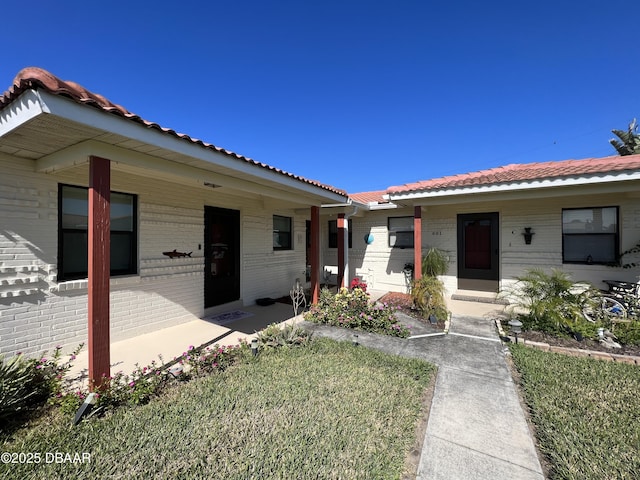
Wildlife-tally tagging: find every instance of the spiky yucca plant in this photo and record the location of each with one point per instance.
(428, 297)
(16, 386)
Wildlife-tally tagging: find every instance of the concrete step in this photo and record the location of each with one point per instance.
(479, 296)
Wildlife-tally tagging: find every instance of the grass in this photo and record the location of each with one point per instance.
(329, 410)
(585, 413)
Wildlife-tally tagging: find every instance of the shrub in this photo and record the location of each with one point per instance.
(16, 386)
(210, 359)
(27, 383)
(51, 372)
(357, 283)
(435, 262)
(287, 336)
(628, 333)
(134, 389)
(144, 383)
(353, 309)
(428, 297)
(553, 303)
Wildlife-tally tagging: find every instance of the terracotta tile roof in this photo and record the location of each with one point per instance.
(519, 173)
(369, 197)
(34, 78)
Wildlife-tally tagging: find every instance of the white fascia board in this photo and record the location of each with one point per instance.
(20, 111)
(516, 187)
(68, 109)
(381, 206)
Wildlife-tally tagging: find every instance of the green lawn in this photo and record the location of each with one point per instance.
(586, 413)
(329, 410)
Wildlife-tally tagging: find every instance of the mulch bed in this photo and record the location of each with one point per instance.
(404, 303)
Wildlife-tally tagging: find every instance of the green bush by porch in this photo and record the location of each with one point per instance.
(354, 309)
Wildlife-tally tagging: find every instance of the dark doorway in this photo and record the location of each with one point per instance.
(221, 256)
(478, 259)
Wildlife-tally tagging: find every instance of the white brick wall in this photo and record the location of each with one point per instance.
(439, 225)
(37, 313)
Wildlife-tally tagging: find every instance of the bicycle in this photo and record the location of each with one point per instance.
(606, 310)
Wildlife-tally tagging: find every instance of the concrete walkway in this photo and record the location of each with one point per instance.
(477, 428)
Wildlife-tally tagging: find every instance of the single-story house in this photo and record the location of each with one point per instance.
(575, 215)
(112, 226)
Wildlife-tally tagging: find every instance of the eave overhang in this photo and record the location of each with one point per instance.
(543, 188)
(97, 132)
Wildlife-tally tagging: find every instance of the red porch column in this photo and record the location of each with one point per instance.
(99, 262)
(341, 272)
(314, 254)
(417, 242)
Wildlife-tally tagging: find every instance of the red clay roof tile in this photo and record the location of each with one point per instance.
(34, 78)
(517, 173)
(369, 197)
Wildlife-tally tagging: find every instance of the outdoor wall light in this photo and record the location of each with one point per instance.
(527, 234)
(516, 327)
(254, 346)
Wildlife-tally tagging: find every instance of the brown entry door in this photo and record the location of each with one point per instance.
(478, 246)
(221, 256)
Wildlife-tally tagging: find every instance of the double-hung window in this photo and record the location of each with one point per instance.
(73, 218)
(333, 233)
(282, 233)
(590, 235)
(400, 232)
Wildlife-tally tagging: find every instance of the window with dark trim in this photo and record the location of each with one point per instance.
(400, 232)
(282, 233)
(73, 220)
(333, 233)
(590, 235)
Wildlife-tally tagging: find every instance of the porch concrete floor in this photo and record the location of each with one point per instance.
(171, 342)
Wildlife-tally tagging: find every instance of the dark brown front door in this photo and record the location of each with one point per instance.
(221, 256)
(478, 236)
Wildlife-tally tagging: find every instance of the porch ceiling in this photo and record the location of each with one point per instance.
(57, 132)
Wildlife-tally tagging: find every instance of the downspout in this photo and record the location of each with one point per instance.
(345, 279)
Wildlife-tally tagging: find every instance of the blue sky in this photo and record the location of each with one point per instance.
(361, 95)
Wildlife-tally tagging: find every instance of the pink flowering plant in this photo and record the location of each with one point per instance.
(144, 383)
(51, 371)
(354, 309)
(27, 384)
(207, 360)
(136, 388)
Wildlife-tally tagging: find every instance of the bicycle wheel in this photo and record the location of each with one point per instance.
(613, 308)
(608, 309)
